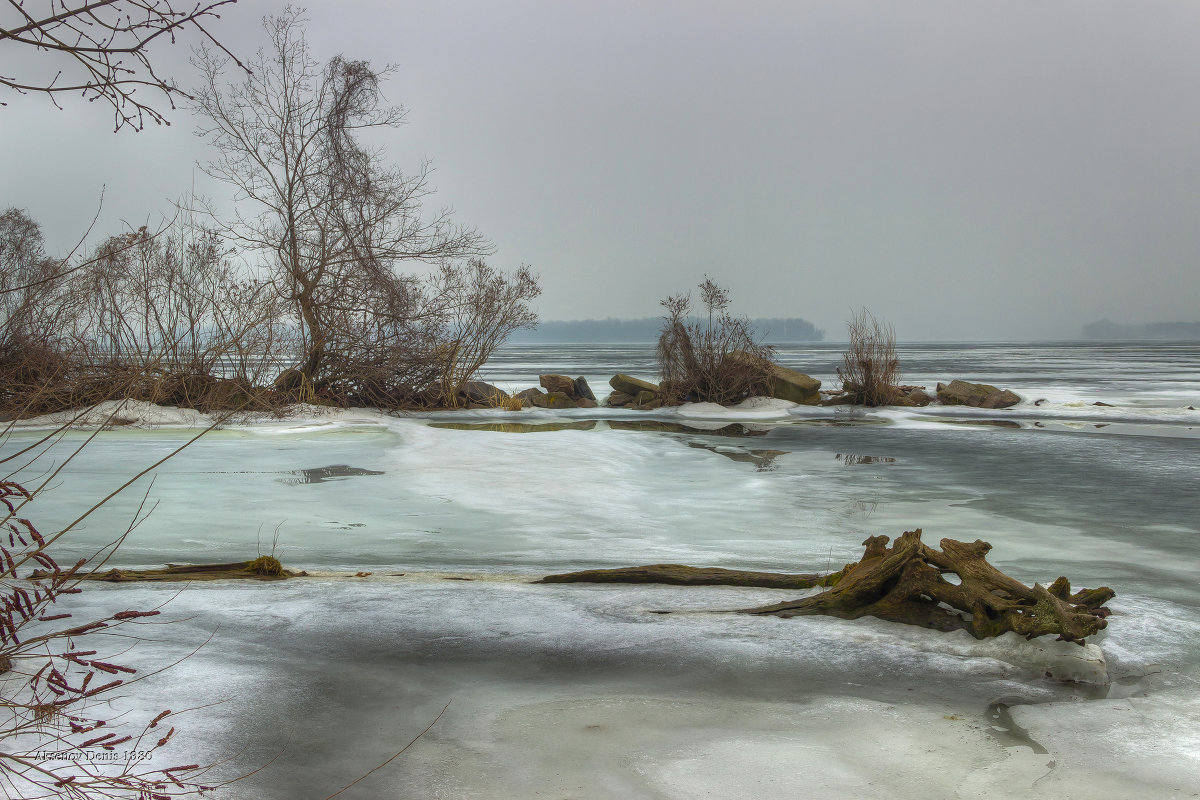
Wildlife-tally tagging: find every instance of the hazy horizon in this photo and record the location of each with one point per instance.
(1096, 332)
(968, 172)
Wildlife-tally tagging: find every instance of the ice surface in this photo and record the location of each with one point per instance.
(1133, 747)
(586, 691)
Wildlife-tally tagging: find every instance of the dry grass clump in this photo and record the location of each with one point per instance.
(717, 358)
(35, 377)
(870, 367)
(265, 565)
(506, 402)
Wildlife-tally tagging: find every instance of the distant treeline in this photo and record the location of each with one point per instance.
(1106, 329)
(647, 329)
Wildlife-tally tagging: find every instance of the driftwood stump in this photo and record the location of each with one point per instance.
(906, 583)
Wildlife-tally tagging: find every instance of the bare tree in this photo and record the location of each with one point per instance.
(333, 221)
(30, 280)
(100, 50)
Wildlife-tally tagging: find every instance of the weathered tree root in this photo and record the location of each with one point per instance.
(680, 575)
(904, 583)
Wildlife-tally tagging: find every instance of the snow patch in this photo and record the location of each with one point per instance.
(121, 413)
(750, 408)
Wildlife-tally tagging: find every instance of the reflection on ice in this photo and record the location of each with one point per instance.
(852, 460)
(763, 460)
(517, 427)
(735, 429)
(334, 472)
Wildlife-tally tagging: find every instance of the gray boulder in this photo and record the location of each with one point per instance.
(645, 397)
(647, 401)
(548, 399)
(840, 399)
(558, 383)
(480, 392)
(559, 400)
(784, 383)
(916, 396)
(630, 386)
(1002, 399)
(976, 395)
(582, 390)
(618, 400)
(788, 384)
(527, 395)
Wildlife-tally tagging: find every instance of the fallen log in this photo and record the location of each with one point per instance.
(263, 568)
(906, 583)
(680, 575)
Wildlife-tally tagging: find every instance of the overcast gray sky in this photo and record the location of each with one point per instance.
(967, 170)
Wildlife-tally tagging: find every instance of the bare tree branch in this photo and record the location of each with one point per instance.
(101, 50)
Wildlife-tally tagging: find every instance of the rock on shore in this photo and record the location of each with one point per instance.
(630, 392)
(976, 395)
(561, 392)
(788, 384)
(631, 386)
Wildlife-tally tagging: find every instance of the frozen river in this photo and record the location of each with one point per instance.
(583, 691)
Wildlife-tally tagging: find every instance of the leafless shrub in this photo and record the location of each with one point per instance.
(55, 678)
(163, 316)
(717, 358)
(171, 316)
(376, 346)
(480, 308)
(870, 367)
(413, 341)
